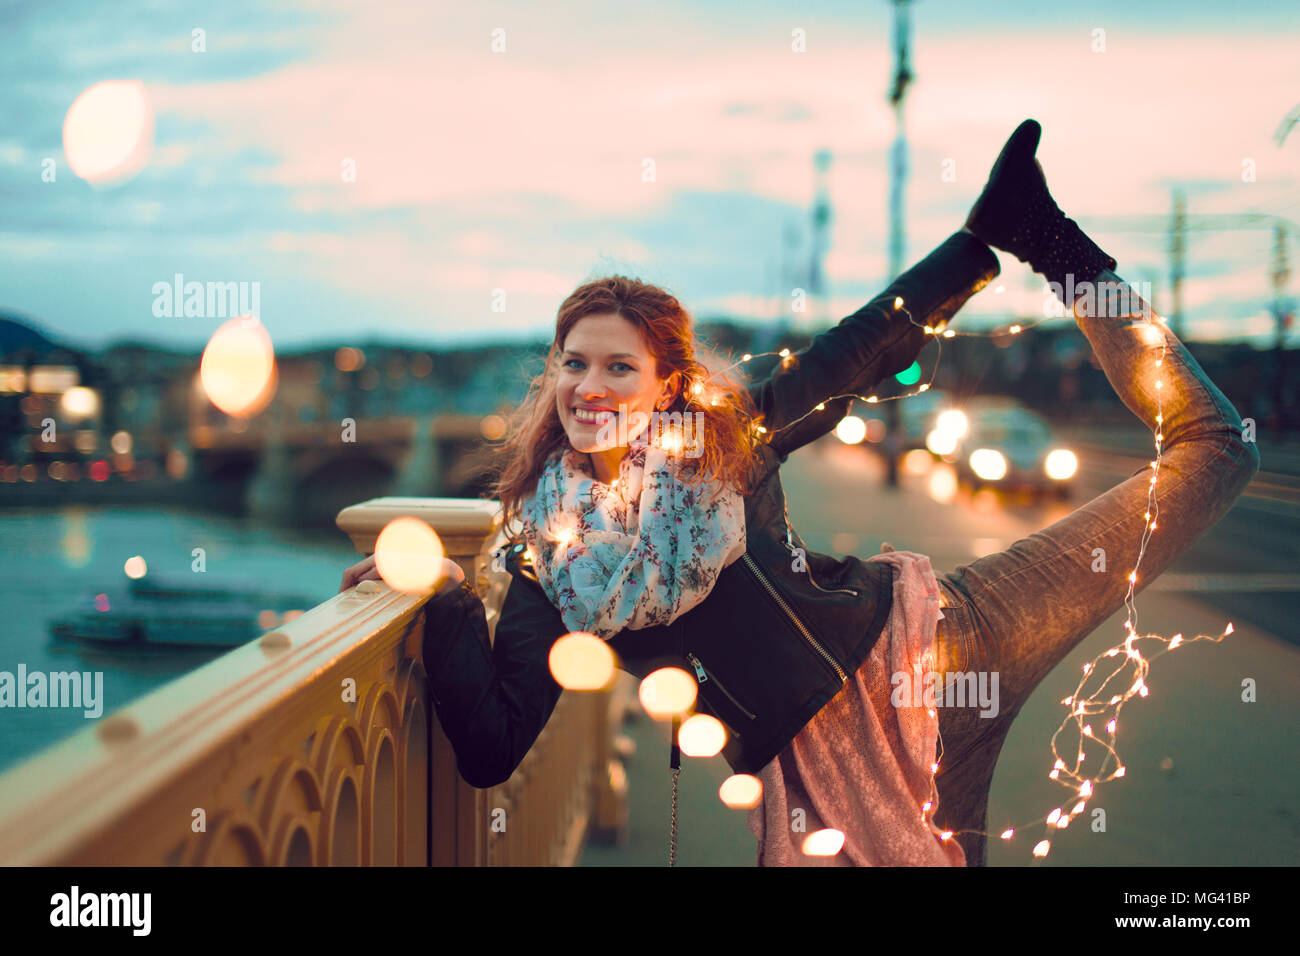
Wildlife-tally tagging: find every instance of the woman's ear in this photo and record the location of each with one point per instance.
(671, 386)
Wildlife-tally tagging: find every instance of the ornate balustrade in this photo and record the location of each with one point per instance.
(317, 744)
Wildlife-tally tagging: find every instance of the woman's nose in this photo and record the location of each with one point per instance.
(591, 386)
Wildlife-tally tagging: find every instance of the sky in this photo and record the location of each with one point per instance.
(490, 182)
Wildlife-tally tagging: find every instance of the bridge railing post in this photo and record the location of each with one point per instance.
(570, 782)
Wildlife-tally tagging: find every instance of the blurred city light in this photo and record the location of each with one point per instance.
(851, 430)
(1061, 464)
(988, 463)
(237, 370)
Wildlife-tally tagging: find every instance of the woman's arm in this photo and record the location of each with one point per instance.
(492, 698)
(871, 344)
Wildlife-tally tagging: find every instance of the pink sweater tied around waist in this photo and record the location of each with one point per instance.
(862, 765)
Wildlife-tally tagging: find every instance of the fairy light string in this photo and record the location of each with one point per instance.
(1124, 665)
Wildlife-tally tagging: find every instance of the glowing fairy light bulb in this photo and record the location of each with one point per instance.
(925, 807)
(872, 399)
(945, 835)
(1228, 630)
(1054, 815)
(746, 357)
(702, 735)
(1008, 833)
(1119, 772)
(1175, 641)
(827, 842)
(1041, 848)
(698, 388)
(741, 791)
(581, 661)
(948, 333)
(1015, 330)
(667, 691)
(898, 302)
(409, 555)
(784, 353)
(1110, 727)
(1085, 788)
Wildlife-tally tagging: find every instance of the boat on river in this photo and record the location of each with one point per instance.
(151, 612)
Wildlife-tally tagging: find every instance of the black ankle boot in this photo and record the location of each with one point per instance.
(1017, 214)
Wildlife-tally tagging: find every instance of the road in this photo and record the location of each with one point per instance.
(1212, 779)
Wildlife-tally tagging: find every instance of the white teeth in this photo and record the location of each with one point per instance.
(591, 418)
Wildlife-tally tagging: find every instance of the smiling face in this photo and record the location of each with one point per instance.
(605, 371)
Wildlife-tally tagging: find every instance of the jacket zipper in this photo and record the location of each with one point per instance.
(701, 675)
(798, 623)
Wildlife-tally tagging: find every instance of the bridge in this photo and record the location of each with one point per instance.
(306, 473)
(259, 758)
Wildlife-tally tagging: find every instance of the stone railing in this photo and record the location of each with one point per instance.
(316, 745)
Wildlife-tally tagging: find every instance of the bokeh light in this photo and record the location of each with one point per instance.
(667, 691)
(827, 842)
(851, 430)
(741, 791)
(1061, 464)
(910, 375)
(108, 132)
(79, 403)
(702, 735)
(135, 567)
(409, 555)
(581, 661)
(237, 371)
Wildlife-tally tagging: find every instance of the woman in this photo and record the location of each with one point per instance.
(680, 554)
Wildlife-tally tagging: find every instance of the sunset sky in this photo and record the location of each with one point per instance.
(521, 170)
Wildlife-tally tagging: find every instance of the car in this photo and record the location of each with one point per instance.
(997, 443)
(916, 415)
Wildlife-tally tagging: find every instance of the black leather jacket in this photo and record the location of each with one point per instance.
(783, 627)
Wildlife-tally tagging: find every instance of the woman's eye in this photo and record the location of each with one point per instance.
(619, 367)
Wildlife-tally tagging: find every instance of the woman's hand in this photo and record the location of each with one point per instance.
(365, 570)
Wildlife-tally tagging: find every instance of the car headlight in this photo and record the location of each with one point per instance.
(941, 442)
(953, 421)
(988, 463)
(1061, 464)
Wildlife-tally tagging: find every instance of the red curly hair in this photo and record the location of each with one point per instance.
(535, 433)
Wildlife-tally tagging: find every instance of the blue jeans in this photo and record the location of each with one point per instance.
(1021, 611)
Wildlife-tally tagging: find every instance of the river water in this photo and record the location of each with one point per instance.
(53, 560)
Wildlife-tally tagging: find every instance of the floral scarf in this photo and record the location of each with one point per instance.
(635, 553)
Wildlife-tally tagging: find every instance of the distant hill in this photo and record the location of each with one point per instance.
(18, 334)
